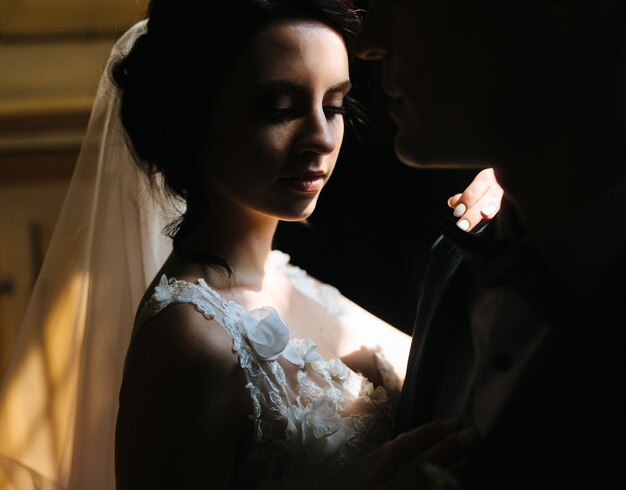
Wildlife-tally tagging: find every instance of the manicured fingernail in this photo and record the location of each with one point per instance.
(450, 202)
(489, 210)
(467, 436)
(463, 224)
(459, 210)
(451, 423)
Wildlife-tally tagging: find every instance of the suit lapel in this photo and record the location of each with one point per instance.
(414, 407)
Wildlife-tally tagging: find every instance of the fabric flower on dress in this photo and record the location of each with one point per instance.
(162, 291)
(378, 396)
(317, 428)
(301, 352)
(337, 369)
(267, 333)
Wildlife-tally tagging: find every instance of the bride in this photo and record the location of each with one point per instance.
(241, 370)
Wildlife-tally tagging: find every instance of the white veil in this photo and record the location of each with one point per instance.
(59, 396)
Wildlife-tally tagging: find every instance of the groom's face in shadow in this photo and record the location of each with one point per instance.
(455, 71)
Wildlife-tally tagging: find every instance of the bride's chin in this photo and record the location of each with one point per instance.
(296, 218)
(298, 213)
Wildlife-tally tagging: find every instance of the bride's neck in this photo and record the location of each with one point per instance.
(244, 241)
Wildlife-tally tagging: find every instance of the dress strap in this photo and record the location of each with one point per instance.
(249, 332)
(172, 291)
(206, 300)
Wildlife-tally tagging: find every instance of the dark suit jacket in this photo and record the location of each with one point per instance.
(550, 389)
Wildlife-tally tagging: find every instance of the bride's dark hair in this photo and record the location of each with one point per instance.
(168, 79)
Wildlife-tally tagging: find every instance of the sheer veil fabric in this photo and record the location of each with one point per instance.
(59, 396)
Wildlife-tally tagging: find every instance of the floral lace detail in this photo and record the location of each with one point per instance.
(315, 420)
(168, 292)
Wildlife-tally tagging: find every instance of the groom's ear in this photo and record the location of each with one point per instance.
(570, 19)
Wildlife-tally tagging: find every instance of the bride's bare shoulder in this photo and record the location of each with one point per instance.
(183, 403)
(181, 337)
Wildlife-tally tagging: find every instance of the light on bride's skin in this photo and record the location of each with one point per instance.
(362, 329)
(352, 327)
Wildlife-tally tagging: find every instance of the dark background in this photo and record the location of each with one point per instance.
(376, 218)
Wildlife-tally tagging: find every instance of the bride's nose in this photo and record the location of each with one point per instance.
(318, 134)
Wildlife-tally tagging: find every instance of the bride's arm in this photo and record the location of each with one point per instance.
(363, 329)
(183, 406)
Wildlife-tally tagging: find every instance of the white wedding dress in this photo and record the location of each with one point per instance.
(317, 423)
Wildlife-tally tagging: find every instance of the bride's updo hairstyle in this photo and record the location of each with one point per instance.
(168, 80)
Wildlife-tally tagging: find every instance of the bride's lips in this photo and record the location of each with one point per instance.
(306, 182)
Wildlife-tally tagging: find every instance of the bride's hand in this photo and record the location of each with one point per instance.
(481, 200)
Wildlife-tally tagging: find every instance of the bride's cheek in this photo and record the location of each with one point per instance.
(275, 142)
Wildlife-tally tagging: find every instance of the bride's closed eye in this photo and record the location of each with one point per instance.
(332, 111)
(334, 105)
(276, 115)
(272, 108)
(270, 111)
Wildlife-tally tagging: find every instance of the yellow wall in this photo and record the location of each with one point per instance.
(68, 17)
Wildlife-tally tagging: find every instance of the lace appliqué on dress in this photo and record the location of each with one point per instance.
(315, 419)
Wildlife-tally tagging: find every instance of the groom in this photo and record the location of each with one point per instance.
(515, 375)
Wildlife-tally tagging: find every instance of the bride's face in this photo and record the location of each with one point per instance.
(278, 124)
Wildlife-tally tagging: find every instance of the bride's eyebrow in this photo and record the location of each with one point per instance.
(343, 87)
(289, 86)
